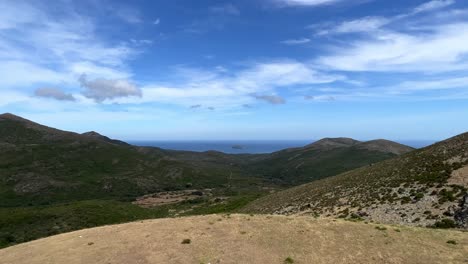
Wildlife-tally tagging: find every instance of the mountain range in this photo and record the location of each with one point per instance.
(54, 181)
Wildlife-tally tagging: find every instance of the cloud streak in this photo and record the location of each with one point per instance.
(54, 93)
(402, 52)
(306, 2)
(300, 41)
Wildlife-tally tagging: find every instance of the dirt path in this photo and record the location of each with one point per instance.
(244, 239)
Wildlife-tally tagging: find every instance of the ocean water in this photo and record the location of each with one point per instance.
(246, 146)
(227, 146)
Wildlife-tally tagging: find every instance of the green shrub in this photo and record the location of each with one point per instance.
(186, 241)
(445, 223)
(288, 260)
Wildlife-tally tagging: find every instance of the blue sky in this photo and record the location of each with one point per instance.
(247, 69)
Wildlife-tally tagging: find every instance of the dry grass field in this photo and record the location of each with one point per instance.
(245, 239)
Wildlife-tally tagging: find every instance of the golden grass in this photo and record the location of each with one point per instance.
(244, 239)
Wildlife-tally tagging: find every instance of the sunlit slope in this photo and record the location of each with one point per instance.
(245, 239)
(423, 187)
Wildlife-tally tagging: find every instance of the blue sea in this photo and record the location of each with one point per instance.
(245, 146)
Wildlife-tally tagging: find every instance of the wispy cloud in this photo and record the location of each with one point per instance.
(300, 41)
(127, 13)
(403, 52)
(433, 5)
(372, 23)
(306, 2)
(320, 98)
(40, 48)
(365, 24)
(226, 9)
(232, 89)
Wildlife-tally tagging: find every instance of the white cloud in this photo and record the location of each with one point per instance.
(433, 5)
(231, 90)
(439, 48)
(373, 23)
(20, 73)
(365, 24)
(429, 85)
(307, 2)
(157, 21)
(296, 41)
(38, 47)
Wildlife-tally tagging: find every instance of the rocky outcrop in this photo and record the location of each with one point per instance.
(461, 215)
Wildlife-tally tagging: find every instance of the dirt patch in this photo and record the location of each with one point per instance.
(171, 197)
(245, 239)
(459, 177)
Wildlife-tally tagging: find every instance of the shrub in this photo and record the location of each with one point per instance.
(445, 223)
(186, 241)
(405, 200)
(453, 242)
(381, 228)
(288, 260)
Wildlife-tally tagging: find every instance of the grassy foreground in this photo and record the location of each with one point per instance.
(245, 239)
(22, 224)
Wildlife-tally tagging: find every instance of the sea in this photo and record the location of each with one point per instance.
(245, 146)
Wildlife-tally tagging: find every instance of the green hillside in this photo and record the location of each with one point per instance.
(53, 181)
(426, 187)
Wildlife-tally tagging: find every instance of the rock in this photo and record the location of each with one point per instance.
(461, 215)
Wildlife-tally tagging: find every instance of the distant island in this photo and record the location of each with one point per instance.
(237, 147)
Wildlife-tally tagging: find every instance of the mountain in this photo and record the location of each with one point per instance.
(329, 143)
(426, 187)
(324, 158)
(54, 181)
(93, 134)
(43, 165)
(387, 146)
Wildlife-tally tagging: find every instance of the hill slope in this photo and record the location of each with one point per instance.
(54, 181)
(244, 239)
(424, 187)
(42, 165)
(324, 158)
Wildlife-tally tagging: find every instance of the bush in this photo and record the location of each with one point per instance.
(445, 223)
(186, 241)
(405, 200)
(288, 260)
(453, 242)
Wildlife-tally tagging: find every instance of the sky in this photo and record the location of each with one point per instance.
(246, 69)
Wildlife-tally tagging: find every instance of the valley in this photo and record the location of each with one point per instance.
(54, 182)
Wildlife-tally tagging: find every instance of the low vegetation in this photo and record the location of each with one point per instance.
(417, 188)
(54, 181)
